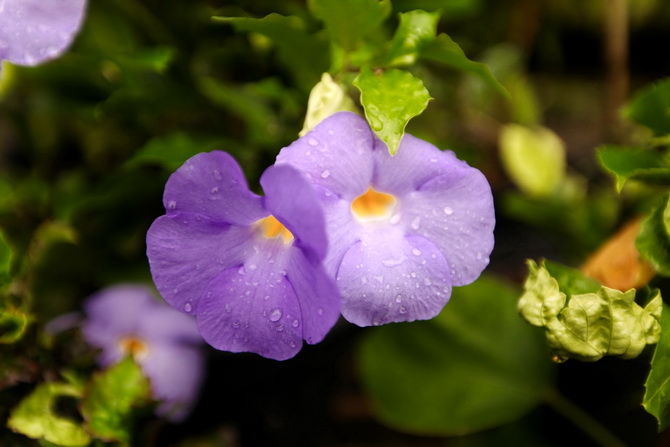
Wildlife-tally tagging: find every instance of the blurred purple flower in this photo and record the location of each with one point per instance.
(128, 319)
(403, 229)
(249, 267)
(33, 31)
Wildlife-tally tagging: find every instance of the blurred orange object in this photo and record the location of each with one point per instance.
(617, 263)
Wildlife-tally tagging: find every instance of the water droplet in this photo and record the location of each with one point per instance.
(319, 311)
(295, 323)
(331, 132)
(395, 218)
(312, 141)
(325, 174)
(413, 274)
(379, 279)
(427, 281)
(241, 270)
(214, 190)
(448, 210)
(217, 175)
(275, 315)
(393, 262)
(175, 290)
(364, 280)
(172, 205)
(402, 310)
(292, 344)
(479, 255)
(433, 160)
(227, 307)
(398, 298)
(236, 324)
(247, 293)
(252, 266)
(416, 223)
(188, 307)
(416, 252)
(280, 328)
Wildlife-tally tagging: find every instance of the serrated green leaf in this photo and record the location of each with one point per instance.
(172, 150)
(36, 416)
(446, 51)
(111, 399)
(627, 163)
(327, 97)
(590, 325)
(416, 29)
(305, 54)
(653, 242)
(390, 99)
(534, 158)
(349, 21)
(657, 388)
(651, 107)
(489, 365)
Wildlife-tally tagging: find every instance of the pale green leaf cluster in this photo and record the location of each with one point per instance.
(534, 158)
(588, 326)
(327, 97)
(36, 418)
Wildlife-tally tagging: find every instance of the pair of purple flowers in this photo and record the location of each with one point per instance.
(343, 228)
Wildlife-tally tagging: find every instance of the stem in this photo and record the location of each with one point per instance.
(616, 56)
(583, 420)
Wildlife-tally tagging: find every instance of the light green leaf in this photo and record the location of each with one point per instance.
(651, 107)
(570, 281)
(156, 59)
(534, 158)
(349, 21)
(590, 325)
(13, 324)
(327, 97)
(36, 416)
(390, 99)
(653, 242)
(305, 54)
(476, 365)
(627, 163)
(446, 51)
(657, 394)
(111, 399)
(416, 29)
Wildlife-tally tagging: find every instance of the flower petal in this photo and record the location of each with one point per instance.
(33, 31)
(387, 278)
(247, 310)
(186, 252)
(336, 154)
(455, 212)
(293, 201)
(213, 185)
(317, 295)
(167, 325)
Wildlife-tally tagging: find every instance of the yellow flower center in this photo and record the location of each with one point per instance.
(134, 346)
(271, 228)
(373, 205)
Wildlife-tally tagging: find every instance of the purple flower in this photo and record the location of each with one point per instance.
(403, 229)
(128, 319)
(249, 267)
(33, 31)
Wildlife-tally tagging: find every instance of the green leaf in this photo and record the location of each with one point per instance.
(446, 51)
(651, 107)
(477, 356)
(390, 99)
(172, 150)
(5, 260)
(570, 281)
(327, 97)
(657, 394)
(305, 54)
(416, 29)
(653, 242)
(112, 398)
(590, 325)
(534, 158)
(349, 21)
(36, 416)
(627, 163)
(13, 324)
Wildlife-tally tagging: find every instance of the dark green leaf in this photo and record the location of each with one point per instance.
(571, 281)
(446, 51)
(391, 98)
(476, 365)
(111, 399)
(657, 395)
(653, 242)
(5, 260)
(416, 29)
(37, 418)
(651, 107)
(349, 21)
(635, 163)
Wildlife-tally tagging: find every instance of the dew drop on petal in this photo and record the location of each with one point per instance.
(217, 175)
(280, 328)
(395, 219)
(236, 324)
(416, 223)
(448, 210)
(319, 311)
(427, 281)
(275, 315)
(172, 205)
(398, 298)
(325, 174)
(292, 344)
(312, 142)
(364, 280)
(188, 307)
(295, 323)
(402, 310)
(416, 252)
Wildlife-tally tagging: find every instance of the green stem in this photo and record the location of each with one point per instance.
(583, 420)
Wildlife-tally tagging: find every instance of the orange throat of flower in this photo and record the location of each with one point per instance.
(271, 228)
(373, 206)
(135, 346)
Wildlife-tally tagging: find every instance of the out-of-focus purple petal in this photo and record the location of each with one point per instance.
(165, 324)
(455, 212)
(213, 185)
(34, 31)
(246, 310)
(336, 155)
(388, 277)
(293, 201)
(176, 373)
(317, 295)
(187, 251)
